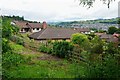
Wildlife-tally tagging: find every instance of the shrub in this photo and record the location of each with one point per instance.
(17, 39)
(79, 38)
(112, 30)
(42, 48)
(107, 67)
(5, 45)
(112, 49)
(97, 45)
(49, 50)
(62, 49)
(20, 41)
(10, 59)
(82, 40)
(45, 49)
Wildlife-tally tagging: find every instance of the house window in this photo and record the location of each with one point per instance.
(37, 28)
(21, 29)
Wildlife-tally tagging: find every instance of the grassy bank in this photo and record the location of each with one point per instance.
(38, 68)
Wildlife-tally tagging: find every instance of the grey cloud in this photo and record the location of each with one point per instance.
(57, 10)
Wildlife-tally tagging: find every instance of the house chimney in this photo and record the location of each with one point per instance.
(44, 25)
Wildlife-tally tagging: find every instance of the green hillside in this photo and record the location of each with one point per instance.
(103, 21)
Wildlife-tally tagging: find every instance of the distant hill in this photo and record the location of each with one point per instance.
(102, 21)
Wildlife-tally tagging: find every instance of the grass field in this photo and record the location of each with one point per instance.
(39, 67)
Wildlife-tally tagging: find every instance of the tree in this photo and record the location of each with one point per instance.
(89, 3)
(118, 31)
(82, 40)
(7, 31)
(118, 21)
(79, 38)
(112, 49)
(112, 30)
(97, 45)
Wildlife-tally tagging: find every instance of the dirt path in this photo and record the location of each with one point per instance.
(48, 57)
(32, 52)
(40, 55)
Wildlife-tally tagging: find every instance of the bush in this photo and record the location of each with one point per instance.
(112, 49)
(107, 67)
(79, 38)
(112, 30)
(82, 40)
(5, 45)
(10, 60)
(13, 59)
(97, 45)
(17, 39)
(45, 49)
(62, 49)
(98, 48)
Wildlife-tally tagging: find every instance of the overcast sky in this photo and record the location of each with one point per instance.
(57, 10)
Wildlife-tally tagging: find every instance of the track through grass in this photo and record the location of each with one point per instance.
(43, 65)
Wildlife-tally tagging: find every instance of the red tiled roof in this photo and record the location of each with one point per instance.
(83, 29)
(109, 38)
(106, 36)
(21, 24)
(24, 24)
(99, 34)
(53, 33)
(35, 25)
(116, 35)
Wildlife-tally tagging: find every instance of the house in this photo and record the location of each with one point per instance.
(22, 26)
(29, 27)
(34, 27)
(116, 35)
(55, 34)
(109, 38)
(83, 30)
(99, 34)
